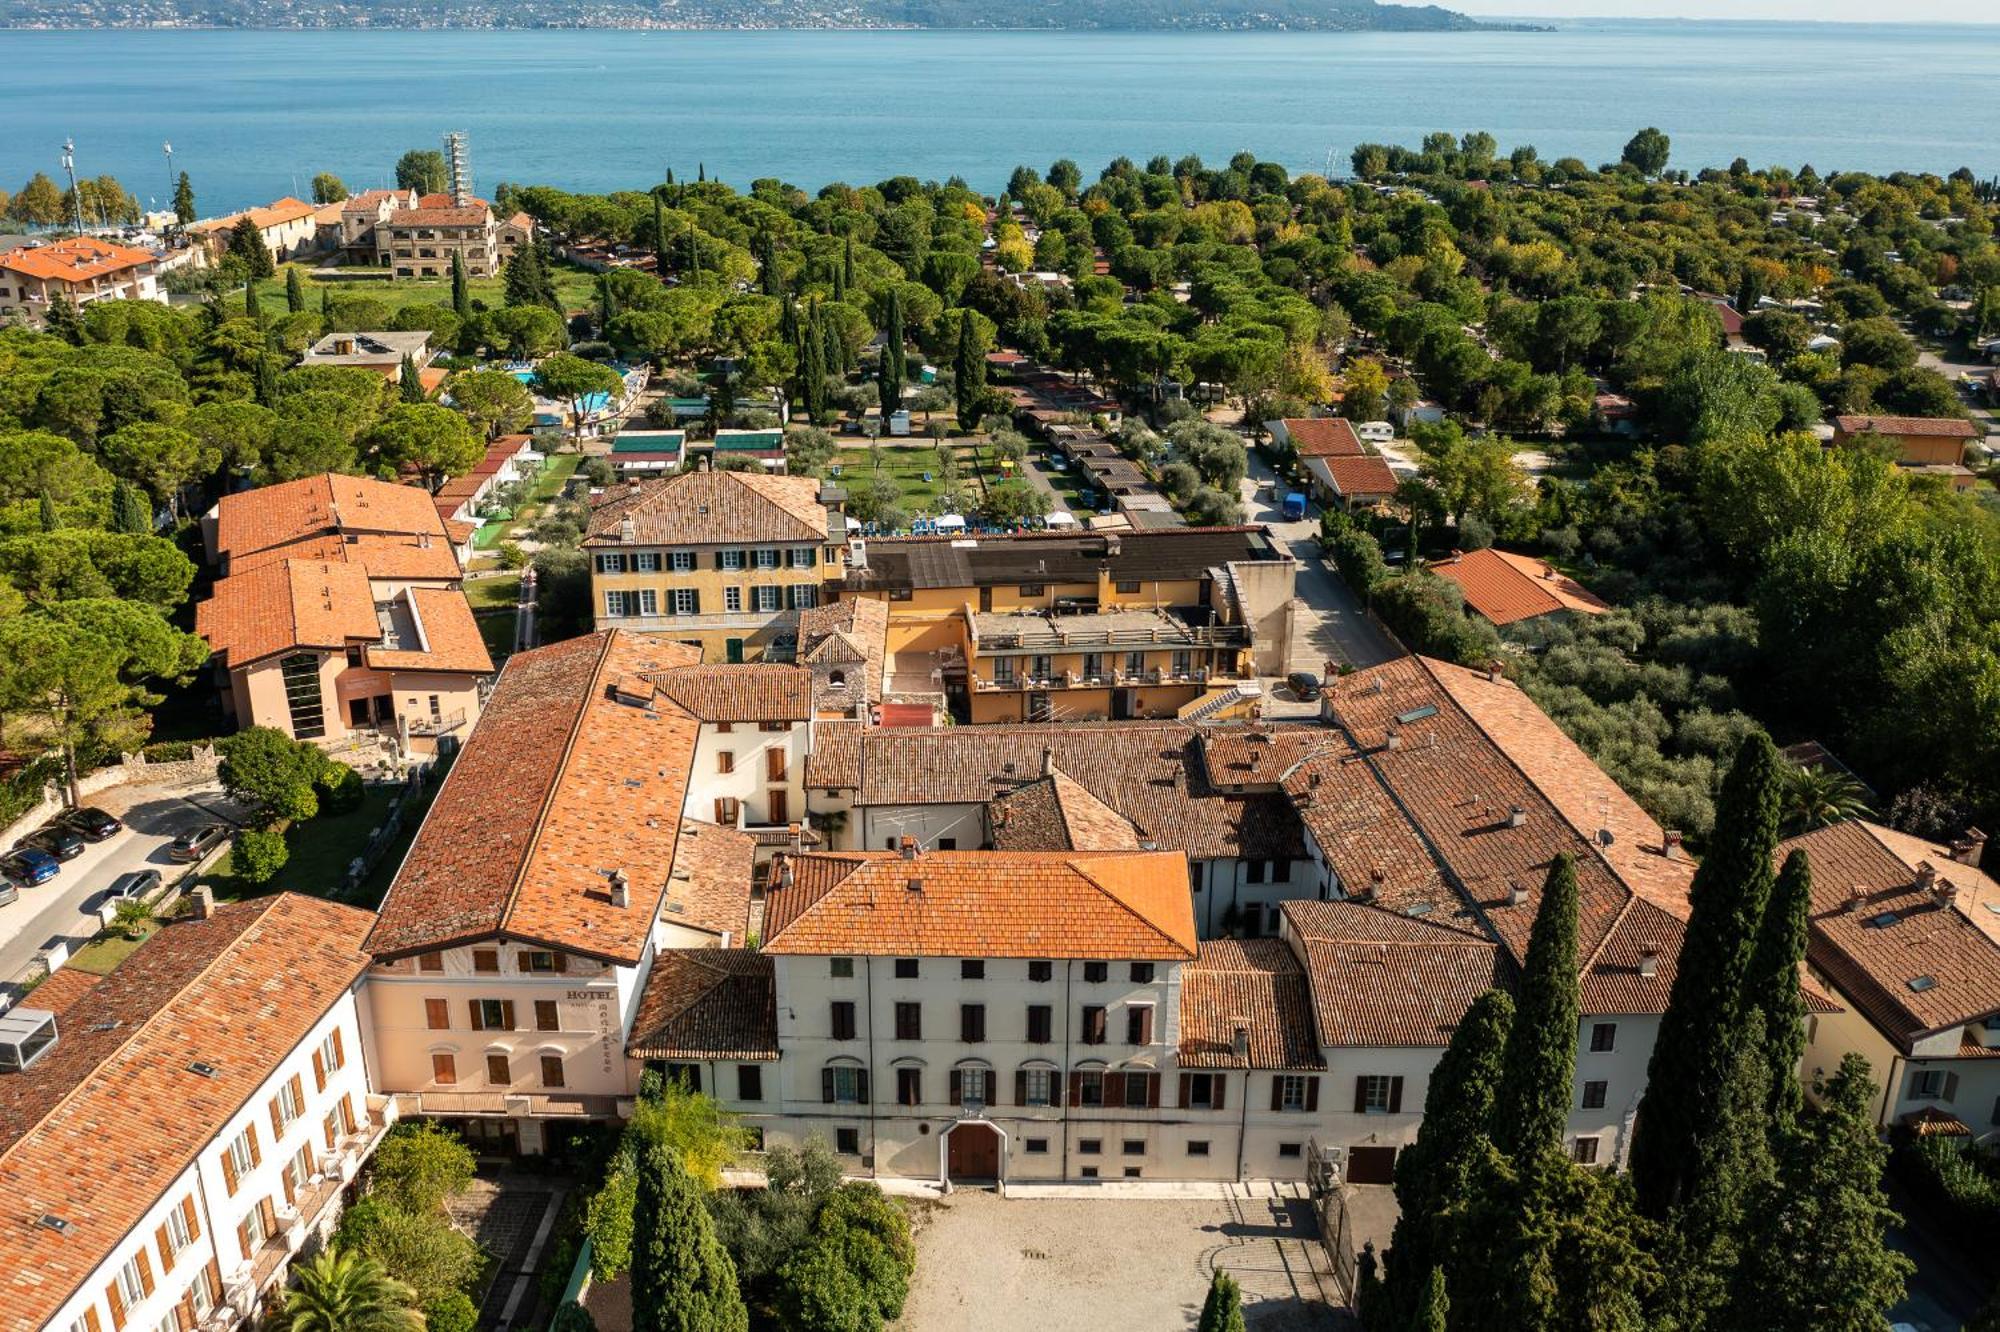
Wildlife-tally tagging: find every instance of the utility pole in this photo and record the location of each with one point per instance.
(69, 168)
(172, 183)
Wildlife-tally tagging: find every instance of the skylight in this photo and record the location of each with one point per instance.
(1883, 921)
(1417, 714)
(1922, 983)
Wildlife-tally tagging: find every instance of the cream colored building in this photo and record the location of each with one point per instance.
(81, 269)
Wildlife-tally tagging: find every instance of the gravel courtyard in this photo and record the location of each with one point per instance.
(1113, 1265)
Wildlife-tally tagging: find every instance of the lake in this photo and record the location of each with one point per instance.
(252, 115)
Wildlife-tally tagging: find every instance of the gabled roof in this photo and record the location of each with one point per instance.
(985, 904)
(739, 691)
(563, 783)
(286, 606)
(1910, 960)
(709, 886)
(1383, 979)
(78, 259)
(393, 530)
(274, 214)
(1178, 553)
(99, 1128)
(1058, 813)
(1943, 427)
(1360, 478)
(708, 508)
(849, 632)
(1507, 588)
(707, 1003)
(445, 638)
(1255, 985)
(1324, 437)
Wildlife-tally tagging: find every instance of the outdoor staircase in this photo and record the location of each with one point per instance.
(1217, 702)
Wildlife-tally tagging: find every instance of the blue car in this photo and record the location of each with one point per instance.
(29, 867)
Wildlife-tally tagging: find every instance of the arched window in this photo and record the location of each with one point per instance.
(973, 1083)
(843, 1082)
(836, 679)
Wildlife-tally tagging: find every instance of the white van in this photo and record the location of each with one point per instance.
(1376, 432)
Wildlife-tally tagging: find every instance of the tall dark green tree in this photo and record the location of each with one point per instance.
(1700, 1033)
(682, 1277)
(1773, 984)
(662, 259)
(891, 366)
(295, 291)
(184, 200)
(62, 320)
(607, 303)
(267, 381)
(410, 384)
(1222, 1311)
(131, 511)
(1434, 1172)
(1433, 1310)
(247, 244)
(461, 289)
(46, 508)
(767, 264)
(968, 374)
(1531, 1104)
(812, 373)
(847, 263)
(253, 308)
(526, 281)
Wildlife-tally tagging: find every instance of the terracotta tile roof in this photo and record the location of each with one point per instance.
(1507, 588)
(289, 605)
(61, 990)
(739, 692)
(427, 214)
(561, 784)
(985, 904)
(1324, 437)
(1256, 755)
(369, 201)
(100, 1127)
(329, 505)
(835, 761)
(1943, 427)
(1385, 980)
(1367, 840)
(78, 259)
(852, 631)
(431, 558)
(709, 886)
(1149, 772)
(1978, 892)
(1897, 932)
(1361, 478)
(275, 214)
(709, 508)
(1253, 984)
(707, 1003)
(451, 636)
(1057, 813)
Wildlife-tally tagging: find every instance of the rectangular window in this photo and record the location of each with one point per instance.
(291, 1102)
(646, 561)
(1040, 1023)
(1041, 971)
(1374, 1094)
(492, 1014)
(1041, 666)
(767, 557)
(485, 959)
(1133, 1147)
(906, 968)
(844, 1084)
(1089, 1146)
(1094, 1032)
(683, 561)
(1927, 1084)
(1292, 1092)
(972, 1023)
(614, 605)
(541, 960)
(1036, 1086)
(802, 596)
(1096, 973)
(841, 968)
(803, 557)
(749, 1082)
(730, 561)
(1135, 663)
(300, 674)
(1254, 872)
(1139, 1090)
(726, 808)
(687, 601)
(1032, 589)
(1603, 1037)
(765, 598)
(1035, 1146)
(725, 760)
(1142, 973)
(843, 1020)
(437, 1014)
(646, 602)
(1593, 1095)
(1093, 665)
(430, 961)
(732, 599)
(546, 1017)
(971, 969)
(774, 764)
(1128, 586)
(1090, 1089)
(847, 1141)
(1585, 1152)
(1183, 662)
(1198, 1147)
(909, 1021)
(1200, 1091)
(1088, 1172)
(909, 1086)
(444, 1070)
(552, 1071)
(131, 1283)
(1139, 1024)
(1288, 1151)
(498, 1072)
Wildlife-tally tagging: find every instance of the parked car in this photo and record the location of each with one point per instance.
(195, 843)
(138, 885)
(93, 823)
(9, 894)
(1304, 685)
(58, 839)
(29, 867)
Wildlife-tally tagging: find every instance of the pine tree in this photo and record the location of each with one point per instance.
(295, 291)
(1434, 1172)
(1432, 1311)
(1814, 1257)
(682, 1277)
(1773, 983)
(267, 381)
(968, 374)
(184, 200)
(131, 511)
(1531, 1104)
(1222, 1311)
(890, 368)
(47, 507)
(410, 384)
(461, 291)
(62, 320)
(1699, 1036)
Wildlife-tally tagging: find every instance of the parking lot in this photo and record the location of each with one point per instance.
(1114, 1264)
(66, 907)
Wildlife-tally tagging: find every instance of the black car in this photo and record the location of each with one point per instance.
(195, 843)
(93, 823)
(138, 885)
(58, 839)
(1304, 685)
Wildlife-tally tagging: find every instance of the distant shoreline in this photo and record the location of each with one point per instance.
(1482, 27)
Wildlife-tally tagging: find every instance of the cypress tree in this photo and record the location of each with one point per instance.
(295, 291)
(701, 173)
(47, 507)
(130, 510)
(409, 383)
(267, 381)
(326, 303)
(1434, 1172)
(1773, 984)
(891, 367)
(840, 282)
(1433, 1308)
(694, 251)
(184, 212)
(62, 320)
(812, 375)
(682, 1277)
(1222, 1311)
(662, 260)
(835, 354)
(461, 291)
(607, 302)
(252, 307)
(968, 374)
(1531, 1104)
(1694, 1053)
(767, 265)
(847, 263)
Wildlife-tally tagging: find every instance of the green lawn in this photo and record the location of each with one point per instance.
(493, 593)
(906, 466)
(496, 630)
(321, 849)
(555, 474)
(575, 287)
(103, 954)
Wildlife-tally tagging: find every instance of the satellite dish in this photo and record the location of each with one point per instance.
(1604, 837)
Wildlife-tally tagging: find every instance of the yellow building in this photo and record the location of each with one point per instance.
(722, 561)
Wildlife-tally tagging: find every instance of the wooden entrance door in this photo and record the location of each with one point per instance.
(973, 1153)
(1371, 1165)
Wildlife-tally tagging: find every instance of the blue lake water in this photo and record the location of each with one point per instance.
(252, 115)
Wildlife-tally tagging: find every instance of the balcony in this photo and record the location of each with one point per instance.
(1200, 677)
(443, 724)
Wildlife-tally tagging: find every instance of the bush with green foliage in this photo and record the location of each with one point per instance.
(424, 1252)
(259, 854)
(700, 1135)
(418, 1165)
(452, 1311)
(267, 769)
(853, 1273)
(1428, 613)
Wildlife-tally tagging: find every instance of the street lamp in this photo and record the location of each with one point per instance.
(69, 169)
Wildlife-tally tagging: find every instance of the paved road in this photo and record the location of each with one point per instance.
(66, 907)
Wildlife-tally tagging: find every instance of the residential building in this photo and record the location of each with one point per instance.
(382, 351)
(420, 240)
(756, 730)
(1073, 626)
(190, 1124)
(844, 644)
(288, 226)
(339, 616)
(640, 455)
(1905, 933)
(515, 941)
(1343, 470)
(361, 215)
(1928, 444)
(82, 269)
(724, 561)
(1504, 588)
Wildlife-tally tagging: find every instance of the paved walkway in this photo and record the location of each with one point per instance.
(512, 1216)
(1331, 623)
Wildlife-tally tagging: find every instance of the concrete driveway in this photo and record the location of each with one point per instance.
(66, 907)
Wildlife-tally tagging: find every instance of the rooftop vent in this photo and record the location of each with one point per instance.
(50, 1221)
(1418, 909)
(621, 889)
(25, 1035)
(1922, 983)
(1517, 816)
(1671, 844)
(914, 885)
(201, 1068)
(908, 846)
(1649, 961)
(1516, 895)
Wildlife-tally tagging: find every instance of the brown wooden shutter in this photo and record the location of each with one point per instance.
(145, 1271)
(1146, 1026)
(188, 1215)
(184, 1313)
(277, 1121)
(1152, 1091)
(319, 1063)
(1395, 1093)
(243, 1236)
(826, 1086)
(166, 1245)
(228, 1173)
(90, 1322)
(117, 1303)
(1186, 1079)
(1114, 1089)
(507, 1014)
(562, 963)
(472, 1007)
(347, 1112)
(1278, 1093)
(256, 1155)
(339, 1050)
(214, 1278)
(1218, 1083)
(1950, 1088)
(957, 1081)
(774, 764)
(861, 1086)
(1020, 1086)
(1076, 1089)
(298, 1092)
(991, 1080)
(330, 1133)
(1360, 1095)
(1312, 1094)
(270, 1216)
(521, 960)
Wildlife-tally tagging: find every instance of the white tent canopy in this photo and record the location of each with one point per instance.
(1062, 518)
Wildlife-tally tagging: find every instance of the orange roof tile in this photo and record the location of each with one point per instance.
(563, 783)
(1943, 427)
(275, 214)
(61, 990)
(1256, 984)
(1383, 979)
(289, 605)
(1360, 478)
(739, 692)
(1324, 437)
(450, 633)
(1058, 813)
(1506, 588)
(706, 508)
(709, 886)
(105, 1122)
(352, 509)
(1101, 905)
(78, 259)
(707, 1003)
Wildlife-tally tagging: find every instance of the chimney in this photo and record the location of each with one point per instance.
(1516, 895)
(621, 889)
(1392, 741)
(203, 898)
(1649, 961)
(1926, 874)
(1969, 849)
(701, 463)
(784, 871)
(628, 530)
(1856, 895)
(1671, 848)
(908, 846)
(1239, 1038)
(798, 837)
(913, 885)
(1496, 671)
(1517, 816)
(1946, 892)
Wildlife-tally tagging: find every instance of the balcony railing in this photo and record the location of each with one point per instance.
(1053, 636)
(440, 725)
(1201, 676)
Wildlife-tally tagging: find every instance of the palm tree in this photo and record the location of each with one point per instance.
(345, 1292)
(1819, 796)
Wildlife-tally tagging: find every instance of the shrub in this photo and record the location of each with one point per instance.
(512, 556)
(341, 789)
(418, 1166)
(260, 853)
(570, 1317)
(423, 1252)
(168, 751)
(1428, 614)
(1355, 554)
(1960, 1186)
(452, 1311)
